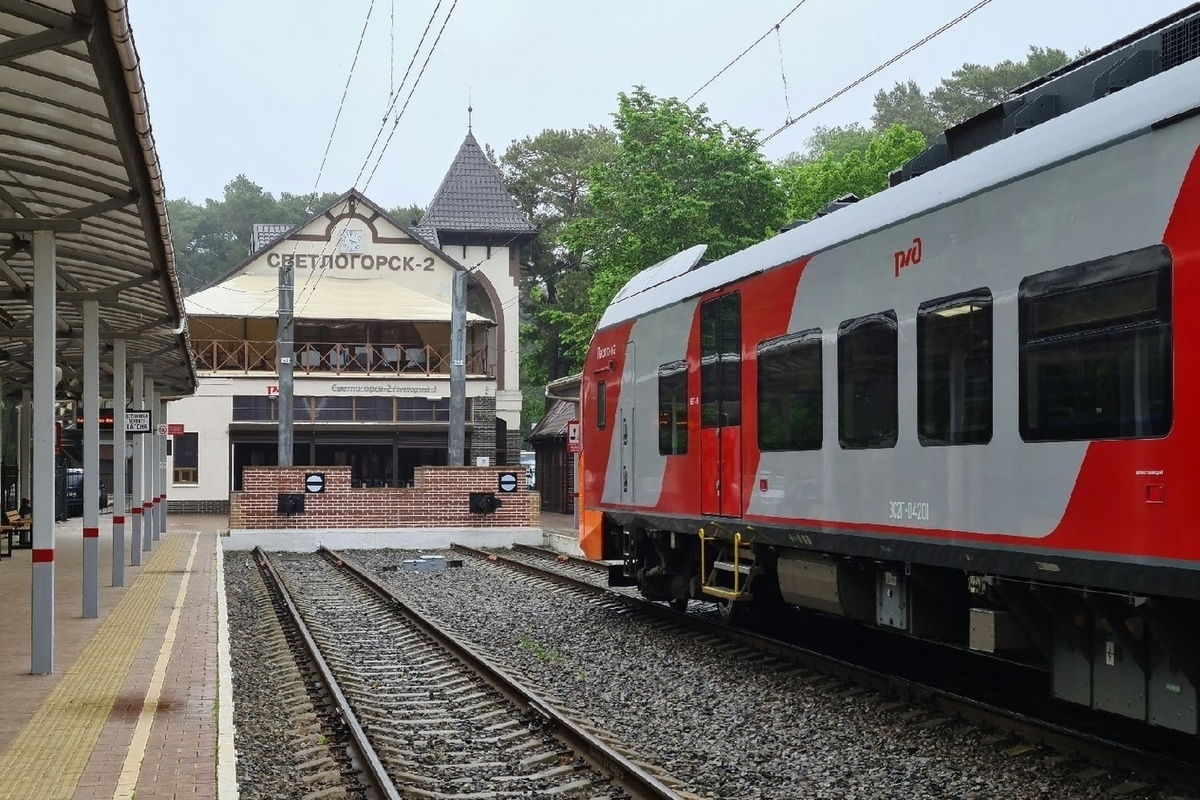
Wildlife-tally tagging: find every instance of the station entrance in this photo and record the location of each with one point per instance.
(376, 462)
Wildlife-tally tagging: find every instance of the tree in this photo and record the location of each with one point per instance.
(408, 215)
(970, 89)
(211, 239)
(678, 179)
(906, 105)
(810, 186)
(838, 141)
(546, 175)
(973, 88)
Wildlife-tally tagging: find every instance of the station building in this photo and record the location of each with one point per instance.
(371, 340)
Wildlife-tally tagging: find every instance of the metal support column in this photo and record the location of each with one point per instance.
(458, 370)
(160, 521)
(25, 446)
(285, 347)
(44, 335)
(139, 470)
(91, 459)
(149, 534)
(119, 500)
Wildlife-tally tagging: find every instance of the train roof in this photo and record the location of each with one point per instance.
(1118, 116)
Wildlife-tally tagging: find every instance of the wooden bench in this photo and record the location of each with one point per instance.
(21, 527)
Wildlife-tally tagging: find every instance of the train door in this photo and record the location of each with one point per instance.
(625, 431)
(721, 405)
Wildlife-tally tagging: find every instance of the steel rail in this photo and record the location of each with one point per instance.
(1056, 736)
(632, 779)
(365, 752)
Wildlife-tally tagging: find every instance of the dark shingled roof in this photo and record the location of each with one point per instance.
(474, 199)
(554, 424)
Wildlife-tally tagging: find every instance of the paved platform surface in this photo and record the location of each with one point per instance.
(131, 708)
(139, 704)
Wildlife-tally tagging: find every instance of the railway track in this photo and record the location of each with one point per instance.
(945, 684)
(430, 715)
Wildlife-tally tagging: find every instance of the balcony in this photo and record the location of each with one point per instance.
(324, 358)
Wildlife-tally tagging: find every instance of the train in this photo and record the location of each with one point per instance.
(965, 408)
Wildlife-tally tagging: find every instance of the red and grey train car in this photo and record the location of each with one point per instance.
(966, 408)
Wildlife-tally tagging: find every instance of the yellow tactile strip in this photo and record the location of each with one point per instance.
(48, 757)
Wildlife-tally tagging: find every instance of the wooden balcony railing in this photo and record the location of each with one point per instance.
(339, 358)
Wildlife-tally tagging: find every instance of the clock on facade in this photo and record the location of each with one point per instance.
(351, 241)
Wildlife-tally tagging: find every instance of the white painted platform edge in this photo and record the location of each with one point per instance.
(227, 787)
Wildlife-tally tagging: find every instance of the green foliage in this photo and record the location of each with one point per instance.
(540, 652)
(970, 89)
(812, 185)
(837, 141)
(678, 179)
(906, 105)
(408, 215)
(547, 176)
(213, 238)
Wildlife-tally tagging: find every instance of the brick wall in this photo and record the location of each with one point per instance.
(438, 499)
(220, 507)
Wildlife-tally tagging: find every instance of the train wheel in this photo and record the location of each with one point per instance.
(679, 604)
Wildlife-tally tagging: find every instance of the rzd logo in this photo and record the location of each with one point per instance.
(908, 258)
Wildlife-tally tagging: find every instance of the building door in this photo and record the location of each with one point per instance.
(721, 405)
(625, 415)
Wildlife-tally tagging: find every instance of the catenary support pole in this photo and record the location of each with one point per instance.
(458, 370)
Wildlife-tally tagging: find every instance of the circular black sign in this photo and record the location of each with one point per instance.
(508, 482)
(314, 482)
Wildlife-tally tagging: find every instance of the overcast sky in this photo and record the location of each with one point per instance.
(252, 86)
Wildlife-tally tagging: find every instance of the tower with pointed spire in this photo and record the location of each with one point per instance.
(474, 218)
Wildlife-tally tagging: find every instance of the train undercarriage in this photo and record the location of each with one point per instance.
(1132, 655)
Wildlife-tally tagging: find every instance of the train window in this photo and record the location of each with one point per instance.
(867, 358)
(789, 392)
(672, 408)
(1095, 358)
(721, 361)
(601, 404)
(954, 369)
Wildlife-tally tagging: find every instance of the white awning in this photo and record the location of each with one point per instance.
(326, 297)
(75, 144)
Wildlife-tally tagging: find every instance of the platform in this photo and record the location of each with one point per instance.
(132, 706)
(140, 700)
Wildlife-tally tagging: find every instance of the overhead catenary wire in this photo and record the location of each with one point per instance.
(928, 38)
(413, 89)
(740, 55)
(395, 95)
(345, 91)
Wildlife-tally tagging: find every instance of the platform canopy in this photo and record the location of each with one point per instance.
(326, 298)
(77, 156)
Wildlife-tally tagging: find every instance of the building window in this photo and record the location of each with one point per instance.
(672, 409)
(333, 409)
(601, 404)
(867, 357)
(789, 392)
(186, 459)
(373, 409)
(1095, 356)
(721, 361)
(254, 408)
(954, 370)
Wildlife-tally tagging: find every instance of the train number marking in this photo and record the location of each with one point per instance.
(899, 509)
(907, 258)
(606, 351)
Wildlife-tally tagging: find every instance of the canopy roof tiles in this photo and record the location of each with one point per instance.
(76, 145)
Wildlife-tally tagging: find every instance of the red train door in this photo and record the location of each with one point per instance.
(721, 406)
